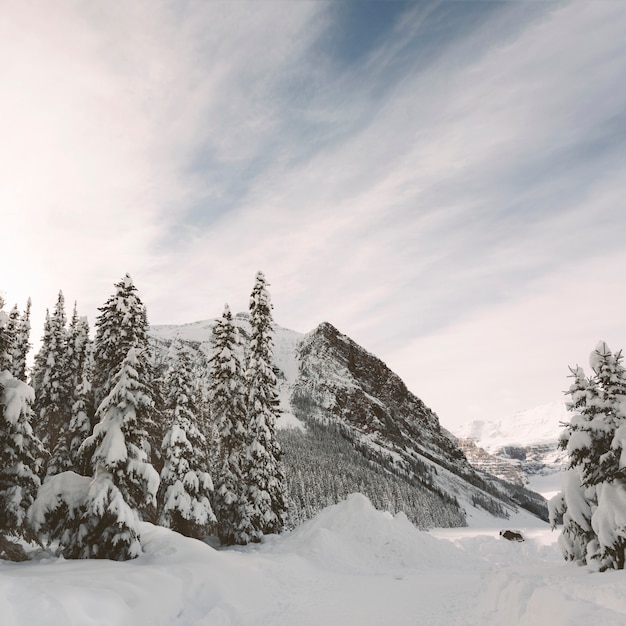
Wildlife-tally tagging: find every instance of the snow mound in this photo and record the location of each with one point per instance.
(352, 537)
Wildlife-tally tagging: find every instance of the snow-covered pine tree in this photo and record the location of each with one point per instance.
(186, 483)
(228, 411)
(120, 457)
(577, 501)
(79, 357)
(593, 501)
(99, 517)
(7, 338)
(21, 345)
(122, 324)
(609, 518)
(21, 453)
(85, 518)
(52, 391)
(265, 474)
(12, 331)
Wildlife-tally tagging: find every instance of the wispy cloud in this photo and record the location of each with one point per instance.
(420, 182)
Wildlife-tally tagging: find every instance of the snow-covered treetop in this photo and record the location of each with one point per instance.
(126, 282)
(260, 297)
(600, 354)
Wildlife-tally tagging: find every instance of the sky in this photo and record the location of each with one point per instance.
(442, 181)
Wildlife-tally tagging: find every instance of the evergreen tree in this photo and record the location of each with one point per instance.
(52, 390)
(20, 451)
(228, 412)
(86, 518)
(122, 324)
(21, 345)
(119, 442)
(265, 475)
(7, 339)
(593, 501)
(12, 331)
(79, 357)
(186, 483)
(98, 517)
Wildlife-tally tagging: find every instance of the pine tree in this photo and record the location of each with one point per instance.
(52, 391)
(120, 439)
(265, 475)
(593, 501)
(122, 324)
(85, 518)
(79, 356)
(7, 339)
(12, 331)
(99, 517)
(21, 452)
(21, 345)
(186, 483)
(576, 503)
(228, 412)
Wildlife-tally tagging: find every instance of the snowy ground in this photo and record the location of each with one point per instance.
(349, 565)
(547, 485)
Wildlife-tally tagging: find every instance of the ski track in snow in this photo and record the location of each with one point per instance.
(349, 565)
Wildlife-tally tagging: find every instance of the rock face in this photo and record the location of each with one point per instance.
(492, 464)
(524, 444)
(358, 428)
(353, 387)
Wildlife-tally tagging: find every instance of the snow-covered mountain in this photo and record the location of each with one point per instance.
(521, 447)
(350, 424)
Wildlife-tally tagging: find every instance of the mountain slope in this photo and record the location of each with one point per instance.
(358, 428)
(522, 448)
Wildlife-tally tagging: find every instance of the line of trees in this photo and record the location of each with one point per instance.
(101, 438)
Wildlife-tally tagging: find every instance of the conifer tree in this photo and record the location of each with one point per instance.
(186, 483)
(52, 391)
(21, 453)
(228, 412)
(122, 324)
(120, 439)
(79, 353)
(593, 501)
(99, 517)
(21, 345)
(7, 338)
(85, 518)
(12, 332)
(265, 475)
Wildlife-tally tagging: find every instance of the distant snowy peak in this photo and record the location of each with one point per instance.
(540, 425)
(526, 441)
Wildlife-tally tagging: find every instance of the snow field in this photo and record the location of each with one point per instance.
(349, 565)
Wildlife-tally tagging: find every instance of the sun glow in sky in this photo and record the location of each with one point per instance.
(442, 181)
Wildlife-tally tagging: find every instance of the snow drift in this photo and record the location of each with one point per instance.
(351, 564)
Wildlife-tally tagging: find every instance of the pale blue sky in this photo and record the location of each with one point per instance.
(442, 181)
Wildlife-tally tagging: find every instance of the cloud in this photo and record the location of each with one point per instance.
(103, 112)
(516, 354)
(422, 184)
